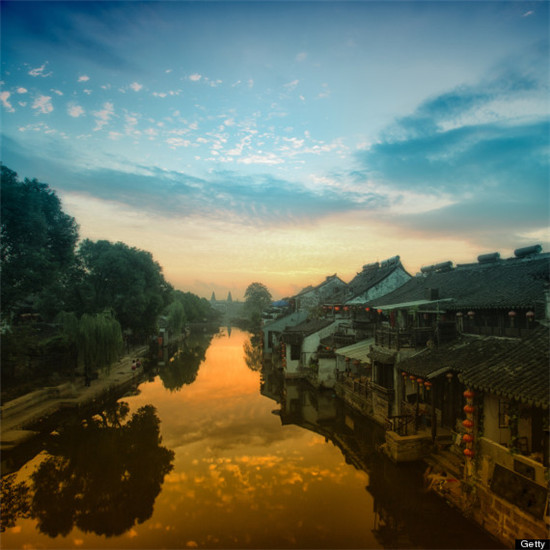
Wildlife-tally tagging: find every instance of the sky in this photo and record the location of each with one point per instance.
(282, 142)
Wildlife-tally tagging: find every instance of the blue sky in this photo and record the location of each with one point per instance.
(284, 141)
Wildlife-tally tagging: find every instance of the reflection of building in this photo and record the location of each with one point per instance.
(404, 515)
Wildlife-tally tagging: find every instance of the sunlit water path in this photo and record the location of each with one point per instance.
(229, 473)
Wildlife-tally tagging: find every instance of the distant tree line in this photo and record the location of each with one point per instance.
(85, 296)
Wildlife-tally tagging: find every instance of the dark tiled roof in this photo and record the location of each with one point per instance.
(520, 372)
(321, 285)
(370, 277)
(382, 355)
(455, 356)
(309, 327)
(512, 283)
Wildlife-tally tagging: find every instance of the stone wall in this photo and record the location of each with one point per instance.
(504, 520)
(406, 448)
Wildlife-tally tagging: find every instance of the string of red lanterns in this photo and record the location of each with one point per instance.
(468, 437)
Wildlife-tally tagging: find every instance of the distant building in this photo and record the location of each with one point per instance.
(315, 296)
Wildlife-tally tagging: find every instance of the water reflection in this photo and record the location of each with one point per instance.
(404, 514)
(253, 352)
(101, 475)
(184, 361)
(309, 476)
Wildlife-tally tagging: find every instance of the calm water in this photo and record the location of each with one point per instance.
(213, 453)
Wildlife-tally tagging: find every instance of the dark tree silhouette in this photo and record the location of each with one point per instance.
(104, 476)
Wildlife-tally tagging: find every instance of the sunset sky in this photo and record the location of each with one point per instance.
(282, 142)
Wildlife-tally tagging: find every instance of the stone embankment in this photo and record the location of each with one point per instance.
(21, 418)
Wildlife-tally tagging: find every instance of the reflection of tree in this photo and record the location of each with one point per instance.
(15, 502)
(183, 366)
(253, 352)
(103, 476)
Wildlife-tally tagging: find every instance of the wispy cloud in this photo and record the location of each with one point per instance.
(75, 110)
(43, 104)
(40, 71)
(83, 78)
(195, 77)
(136, 86)
(104, 115)
(4, 98)
(482, 146)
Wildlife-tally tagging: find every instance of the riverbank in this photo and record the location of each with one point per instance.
(25, 418)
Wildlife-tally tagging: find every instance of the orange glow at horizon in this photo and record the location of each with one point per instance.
(216, 256)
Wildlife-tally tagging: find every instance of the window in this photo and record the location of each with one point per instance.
(503, 414)
(295, 350)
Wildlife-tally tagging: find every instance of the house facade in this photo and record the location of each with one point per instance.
(272, 330)
(314, 296)
(300, 345)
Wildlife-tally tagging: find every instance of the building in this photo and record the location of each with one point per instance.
(300, 346)
(312, 297)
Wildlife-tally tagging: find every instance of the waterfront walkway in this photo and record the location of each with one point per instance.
(19, 416)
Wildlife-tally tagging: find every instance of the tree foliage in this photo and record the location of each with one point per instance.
(125, 279)
(37, 241)
(98, 338)
(256, 298)
(196, 309)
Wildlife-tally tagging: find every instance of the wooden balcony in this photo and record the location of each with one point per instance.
(395, 338)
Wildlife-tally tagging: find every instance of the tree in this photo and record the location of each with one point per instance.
(229, 298)
(37, 246)
(97, 338)
(102, 476)
(196, 309)
(256, 298)
(125, 279)
(176, 317)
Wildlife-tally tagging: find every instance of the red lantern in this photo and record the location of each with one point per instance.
(468, 409)
(420, 381)
(336, 308)
(468, 394)
(530, 315)
(412, 377)
(379, 311)
(459, 314)
(467, 423)
(367, 309)
(512, 314)
(469, 453)
(428, 384)
(468, 438)
(471, 314)
(404, 374)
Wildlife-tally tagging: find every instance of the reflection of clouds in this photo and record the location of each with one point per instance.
(243, 480)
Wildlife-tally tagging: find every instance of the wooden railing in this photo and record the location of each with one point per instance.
(395, 338)
(400, 423)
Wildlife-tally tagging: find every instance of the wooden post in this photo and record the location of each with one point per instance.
(417, 408)
(434, 416)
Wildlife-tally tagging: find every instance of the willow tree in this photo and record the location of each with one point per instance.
(98, 338)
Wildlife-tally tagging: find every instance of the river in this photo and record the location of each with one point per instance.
(215, 452)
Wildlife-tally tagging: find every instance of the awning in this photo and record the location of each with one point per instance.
(413, 305)
(359, 351)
